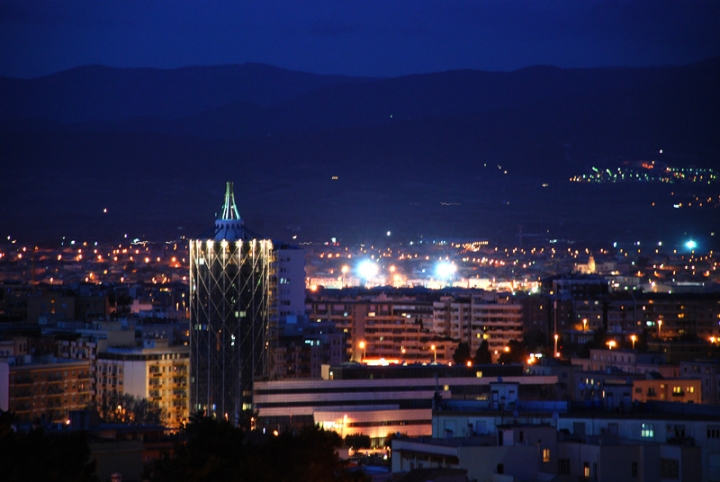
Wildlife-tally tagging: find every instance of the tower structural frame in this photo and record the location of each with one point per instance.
(230, 303)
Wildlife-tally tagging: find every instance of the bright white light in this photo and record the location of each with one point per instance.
(445, 270)
(367, 269)
(691, 244)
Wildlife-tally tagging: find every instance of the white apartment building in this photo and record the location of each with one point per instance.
(289, 268)
(158, 373)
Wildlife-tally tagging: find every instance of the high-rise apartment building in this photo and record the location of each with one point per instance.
(231, 303)
(289, 269)
(492, 317)
(43, 389)
(383, 328)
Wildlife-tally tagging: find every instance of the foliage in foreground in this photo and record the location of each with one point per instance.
(38, 455)
(217, 451)
(357, 441)
(125, 408)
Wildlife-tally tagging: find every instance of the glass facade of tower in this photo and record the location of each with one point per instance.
(230, 294)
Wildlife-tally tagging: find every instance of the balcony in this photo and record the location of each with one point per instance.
(54, 390)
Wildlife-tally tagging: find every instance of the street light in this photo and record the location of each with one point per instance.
(432, 347)
(659, 328)
(611, 344)
(584, 324)
(634, 339)
(368, 270)
(556, 343)
(362, 347)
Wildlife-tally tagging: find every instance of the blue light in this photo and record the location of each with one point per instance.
(691, 244)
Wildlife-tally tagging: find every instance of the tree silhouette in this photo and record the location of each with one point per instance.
(517, 353)
(357, 441)
(462, 353)
(598, 341)
(37, 455)
(216, 451)
(125, 408)
(482, 355)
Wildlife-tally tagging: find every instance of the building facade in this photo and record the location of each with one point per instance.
(230, 309)
(493, 317)
(156, 372)
(43, 389)
(398, 330)
(708, 372)
(382, 401)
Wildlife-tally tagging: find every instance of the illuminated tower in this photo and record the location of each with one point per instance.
(230, 303)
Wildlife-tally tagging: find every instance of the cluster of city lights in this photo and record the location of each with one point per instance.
(648, 172)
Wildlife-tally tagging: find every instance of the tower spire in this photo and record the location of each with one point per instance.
(229, 211)
(229, 226)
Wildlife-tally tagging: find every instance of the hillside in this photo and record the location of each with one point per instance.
(153, 145)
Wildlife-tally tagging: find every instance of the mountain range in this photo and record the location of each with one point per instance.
(450, 154)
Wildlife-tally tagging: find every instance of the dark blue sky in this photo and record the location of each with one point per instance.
(355, 37)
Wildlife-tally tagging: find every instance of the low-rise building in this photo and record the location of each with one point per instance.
(667, 390)
(656, 441)
(498, 457)
(708, 371)
(381, 401)
(628, 361)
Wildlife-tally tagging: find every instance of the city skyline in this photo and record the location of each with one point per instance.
(477, 239)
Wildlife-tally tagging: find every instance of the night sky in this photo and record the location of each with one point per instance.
(355, 37)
